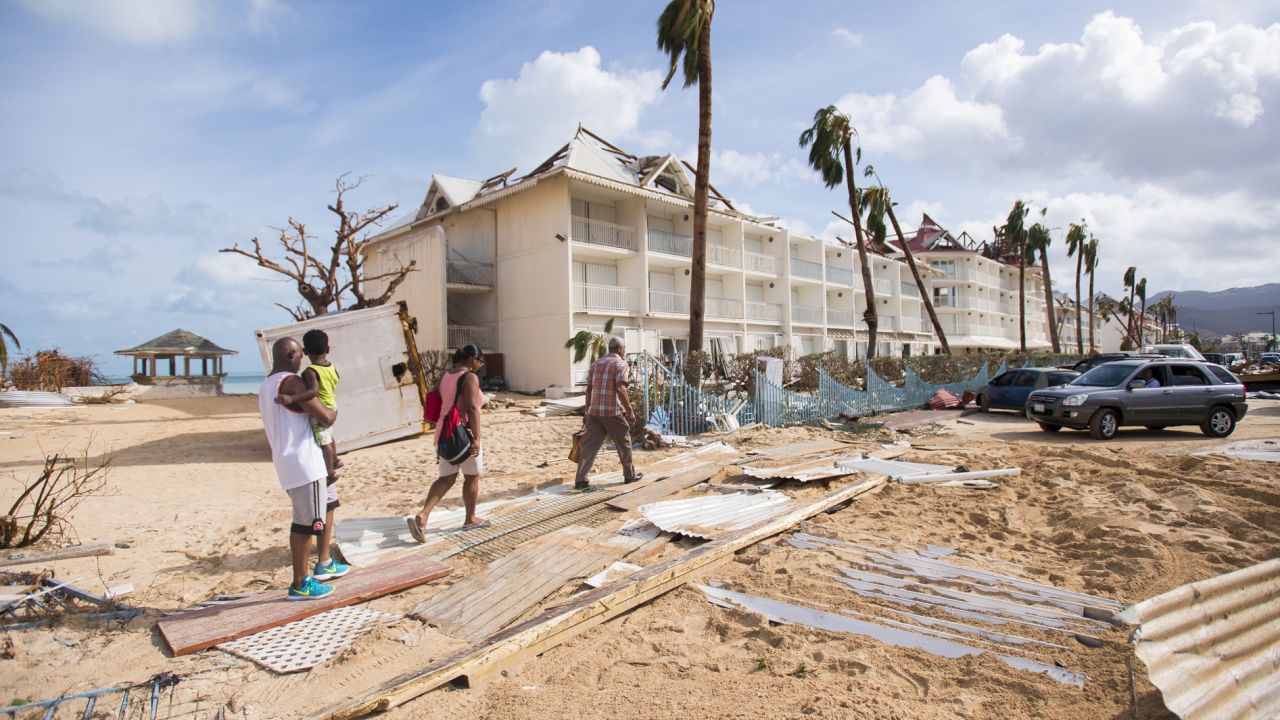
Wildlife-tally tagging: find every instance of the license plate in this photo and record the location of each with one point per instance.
(1038, 407)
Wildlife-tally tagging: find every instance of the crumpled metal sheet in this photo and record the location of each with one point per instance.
(713, 516)
(803, 471)
(1213, 646)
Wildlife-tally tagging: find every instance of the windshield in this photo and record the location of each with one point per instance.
(1109, 375)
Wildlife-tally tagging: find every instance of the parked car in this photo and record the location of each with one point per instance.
(1215, 358)
(1174, 350)
(1184, 392)
(1231, 359)
(1094, 361)
(1009, 390)
(1269, 357)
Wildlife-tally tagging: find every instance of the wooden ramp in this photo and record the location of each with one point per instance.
(198, 629)
(482, 604)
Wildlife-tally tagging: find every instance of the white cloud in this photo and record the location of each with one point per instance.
(931, 121)
(731, 167)
(526, 118)
(136, 22)
(848, 37)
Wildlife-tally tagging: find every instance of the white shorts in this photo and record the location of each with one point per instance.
(311, 502)
(473, 465)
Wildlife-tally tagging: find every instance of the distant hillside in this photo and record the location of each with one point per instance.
(1227, 311)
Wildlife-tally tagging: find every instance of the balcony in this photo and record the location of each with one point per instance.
(882, 286)
(670, 243)
(723, 308)
(605, 298)
(912, 325)
(607, 234)
(946, 301)
(662, 301)
(839, 276)
(888, 323)
(910, 290)
(484, 336)
(465, 272)
(764, 312)
(806, 269)
(844, 318)
(726, 256)
(809, 314)
(757, 262)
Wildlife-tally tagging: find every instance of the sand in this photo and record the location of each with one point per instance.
(194, 500)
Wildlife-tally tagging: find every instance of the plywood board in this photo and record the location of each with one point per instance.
(202, 628)
(482, 604)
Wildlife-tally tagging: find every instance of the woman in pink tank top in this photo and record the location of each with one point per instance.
(459, 385)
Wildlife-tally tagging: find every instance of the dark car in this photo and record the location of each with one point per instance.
(1094, 361)
(1010, 390)
(1151, 393)
(1215, 358)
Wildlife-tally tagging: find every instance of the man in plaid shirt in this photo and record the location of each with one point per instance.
(608, 414)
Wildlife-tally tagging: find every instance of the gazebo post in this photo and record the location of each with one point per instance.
(173, 365)
(186, 366)
(204, 366)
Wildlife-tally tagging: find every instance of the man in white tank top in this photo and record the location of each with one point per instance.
(300, 468)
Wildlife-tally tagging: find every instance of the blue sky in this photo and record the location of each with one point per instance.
(142, 135)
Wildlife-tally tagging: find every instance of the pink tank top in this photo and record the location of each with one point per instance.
(448, 393)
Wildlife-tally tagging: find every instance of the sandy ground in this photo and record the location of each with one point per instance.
(194, 499)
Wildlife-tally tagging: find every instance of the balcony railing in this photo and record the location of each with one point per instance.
(760, 263)
(912, 325)
(726, 308)
(609, 298)
(845, 318)
(766, 312)
(668, 302)
(726, 256)
(804, 268)
(909, 289)
(839, 276)
(483, 335)
(465, 272)
(670, 243)
(888, 323)
(948, 272)
(806, 314)
(599, 232)
(945, 301)
(882, 286)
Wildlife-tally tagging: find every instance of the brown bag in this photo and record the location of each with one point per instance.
(575, 447)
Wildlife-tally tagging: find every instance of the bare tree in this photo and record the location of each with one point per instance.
(325, 276)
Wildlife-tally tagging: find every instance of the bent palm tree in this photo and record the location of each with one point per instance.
(1075, 248)
(1038, 241)
(1141, 291)
(1130, 280)
(4, 348)
(1091, 266)
(684, 34)
(1015, 232)
(589, 343)
(829, 140)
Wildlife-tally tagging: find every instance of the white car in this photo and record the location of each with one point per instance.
(1174, 350)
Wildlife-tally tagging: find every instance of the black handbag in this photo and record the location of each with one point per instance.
(456, 439)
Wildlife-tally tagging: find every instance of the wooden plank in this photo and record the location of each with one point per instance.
(202, 628)
(106, 547)
(512, 647)
(479, 605)
(698, 473)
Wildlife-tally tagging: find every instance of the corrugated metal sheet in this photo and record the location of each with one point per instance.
(30, 398)
(1213, 647)
(803, 471)
(712, 516)
(892, 468)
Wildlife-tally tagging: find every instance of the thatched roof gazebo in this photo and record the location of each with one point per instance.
(171, 346)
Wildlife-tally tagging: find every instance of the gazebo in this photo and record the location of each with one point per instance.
(171, 346)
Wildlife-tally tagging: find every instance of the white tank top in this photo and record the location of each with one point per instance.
(297, 457)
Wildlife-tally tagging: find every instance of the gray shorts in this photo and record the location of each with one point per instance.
(311, 503)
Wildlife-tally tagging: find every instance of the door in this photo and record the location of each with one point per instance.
(1193, 392)
(1016, 394)
(1152, 405)
(998, 386)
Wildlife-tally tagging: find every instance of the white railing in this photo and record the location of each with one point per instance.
(912, 325)
(668, 302)
(846, 318)
(806, 314)
(726, 256)
(804, 268)
(839, 276)
(888, 323)
(599, 232)
(760, 263)
(909, 289)
(670, 243)
(482, 335)
(949, 301)
(465, 272)
(588, 296)
(948, 272)
(882, 286)
(768, 312)
(727, 308)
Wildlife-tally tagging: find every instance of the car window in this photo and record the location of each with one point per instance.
(1058, 378)
(1223, 375)
(1025, 378)
(1001, 380)
(1187, 375)
(1108, 375)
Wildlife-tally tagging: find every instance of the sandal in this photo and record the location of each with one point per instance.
(416, 530)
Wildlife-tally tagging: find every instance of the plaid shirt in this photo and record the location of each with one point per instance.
(607, 374)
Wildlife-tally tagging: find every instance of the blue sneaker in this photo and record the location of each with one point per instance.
(332, 569)
(310, 590)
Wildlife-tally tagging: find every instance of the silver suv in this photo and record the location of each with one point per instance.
(1151, 393)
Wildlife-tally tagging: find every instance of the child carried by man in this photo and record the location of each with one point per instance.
(321, 378)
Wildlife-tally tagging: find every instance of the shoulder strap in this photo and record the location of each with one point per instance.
(457, 387)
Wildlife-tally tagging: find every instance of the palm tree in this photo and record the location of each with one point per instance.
(1075, 247)
(1091, 266)
(4, 348)
(590, 343)
(1130, 279)
(1015, 232)
(878, 201)
(832, 155)
(1141, 290)
(1038, 241)
(684, 32)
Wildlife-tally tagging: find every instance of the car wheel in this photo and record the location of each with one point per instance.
(1220, 423)
(1156, 427)
(1050, 428)
(1104, 424)
(984, 403)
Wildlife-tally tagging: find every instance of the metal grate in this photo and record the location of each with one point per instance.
(306, 643)
(549, 513)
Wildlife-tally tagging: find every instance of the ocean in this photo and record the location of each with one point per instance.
(232, 384)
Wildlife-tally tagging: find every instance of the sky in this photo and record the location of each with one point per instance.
(141, 136)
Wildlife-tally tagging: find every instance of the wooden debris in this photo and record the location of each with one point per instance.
(649, 492)
(26, 557)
